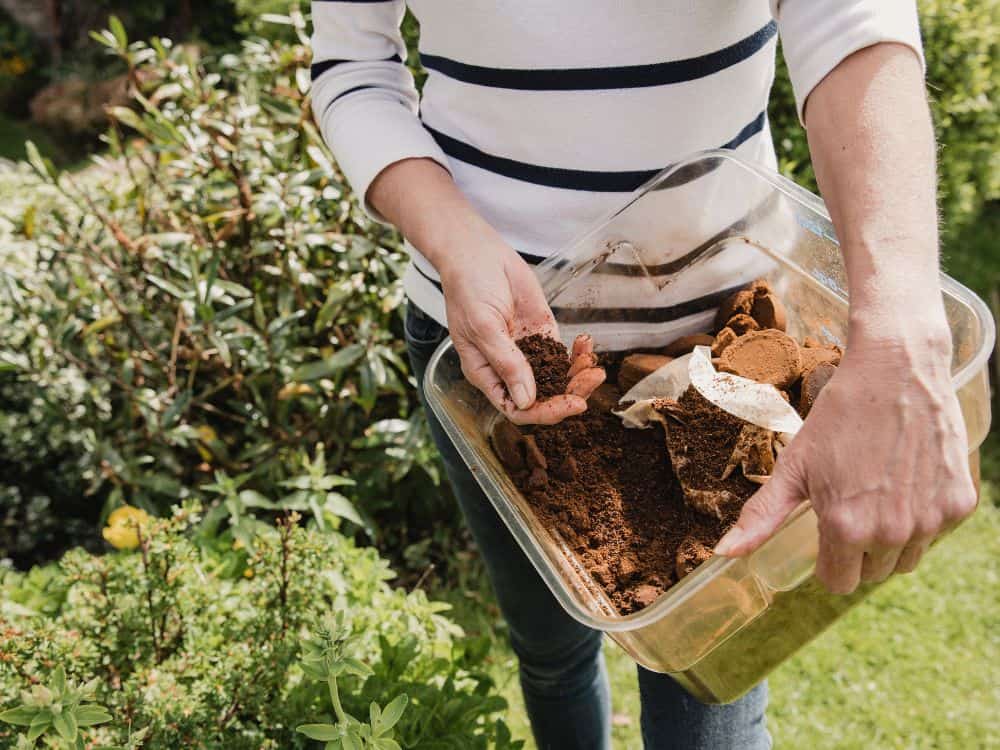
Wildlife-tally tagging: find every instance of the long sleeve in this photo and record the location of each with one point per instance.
(817, 34)
(363, 96)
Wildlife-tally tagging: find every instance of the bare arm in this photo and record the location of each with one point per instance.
(492, 296)
(883, 457)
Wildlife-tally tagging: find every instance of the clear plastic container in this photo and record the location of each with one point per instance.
(699, 229)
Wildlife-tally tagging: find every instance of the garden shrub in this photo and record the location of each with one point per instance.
(200, 641)
(208, 299)
(962, 48)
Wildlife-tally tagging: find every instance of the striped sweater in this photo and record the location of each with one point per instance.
(549, 113)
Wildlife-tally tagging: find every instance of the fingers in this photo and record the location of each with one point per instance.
(838, 566)
(550, 411)
(911, 555)
(763, 513)
(583, 345)
(879, 563)
(586, 382)
(480, 373)
(509, 365)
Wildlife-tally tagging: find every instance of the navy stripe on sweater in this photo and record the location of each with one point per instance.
(624, 77)
(319, 67)
(568, 179)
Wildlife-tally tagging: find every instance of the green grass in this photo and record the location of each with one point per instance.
(916, 666)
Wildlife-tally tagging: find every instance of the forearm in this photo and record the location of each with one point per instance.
(419, 197)
(872, 147)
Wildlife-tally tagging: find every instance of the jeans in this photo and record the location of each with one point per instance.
(562, 671)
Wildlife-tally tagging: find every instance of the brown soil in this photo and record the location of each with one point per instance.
(549, 361)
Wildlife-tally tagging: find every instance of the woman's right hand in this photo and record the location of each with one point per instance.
(492, 297)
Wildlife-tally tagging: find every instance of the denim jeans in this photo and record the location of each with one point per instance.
(562, 671)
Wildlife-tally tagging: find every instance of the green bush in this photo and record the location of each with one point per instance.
(208, 298)
(962, 46)
(198, 641)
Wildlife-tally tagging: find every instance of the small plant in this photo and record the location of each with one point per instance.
(55, 713)
(325, 660)
(195, 636)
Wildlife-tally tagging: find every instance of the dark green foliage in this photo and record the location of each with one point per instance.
(209, 299)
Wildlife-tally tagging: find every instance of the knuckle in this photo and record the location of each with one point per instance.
(894, 534)
(962, 505)
(928, 525)
(845, 528)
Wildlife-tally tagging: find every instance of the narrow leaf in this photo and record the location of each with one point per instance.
(333, 364)
(323, 732)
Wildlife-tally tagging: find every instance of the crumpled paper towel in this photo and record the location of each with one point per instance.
(754, 402)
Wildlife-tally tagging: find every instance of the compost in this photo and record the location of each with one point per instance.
(641, 509)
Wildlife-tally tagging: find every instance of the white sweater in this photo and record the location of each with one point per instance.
(548, 113)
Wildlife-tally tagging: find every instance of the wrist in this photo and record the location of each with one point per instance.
(898, 340)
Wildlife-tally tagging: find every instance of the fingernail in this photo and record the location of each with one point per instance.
(520, 395)
(728, 542)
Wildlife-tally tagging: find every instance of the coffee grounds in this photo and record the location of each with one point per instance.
(701, 438)
(549, 362)
(767, 356)
(635, 516)
(618, 506)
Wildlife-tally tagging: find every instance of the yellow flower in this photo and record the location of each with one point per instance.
(248, 573)
(122, 531)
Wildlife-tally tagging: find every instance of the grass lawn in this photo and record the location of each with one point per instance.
(916, 666)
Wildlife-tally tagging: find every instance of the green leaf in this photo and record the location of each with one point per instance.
(276, 18)
(392, 713)
(254, 499)
(58, 684)
(99, 325)
(168, 239)
(65, 725)
(387, 743)
(333, 364)
(352, 741)
(168, 287)
(88, 716)
(179, 405)
(232, 310)
(356, 667)
(40, 164)
(130, 118)
(104, 37)
(232, 288)
(20, 716)
(323, 732)
(119, 31)
(342, 507)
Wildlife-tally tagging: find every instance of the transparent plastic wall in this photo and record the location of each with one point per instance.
(695, 232)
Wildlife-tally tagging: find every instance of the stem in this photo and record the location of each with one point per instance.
(144, 547)
(335, 699)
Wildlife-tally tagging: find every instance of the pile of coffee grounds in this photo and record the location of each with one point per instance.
(549, 361)
(611, 494)
(701, 438)
(640, 509)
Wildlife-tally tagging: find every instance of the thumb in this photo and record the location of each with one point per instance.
(764, 512)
